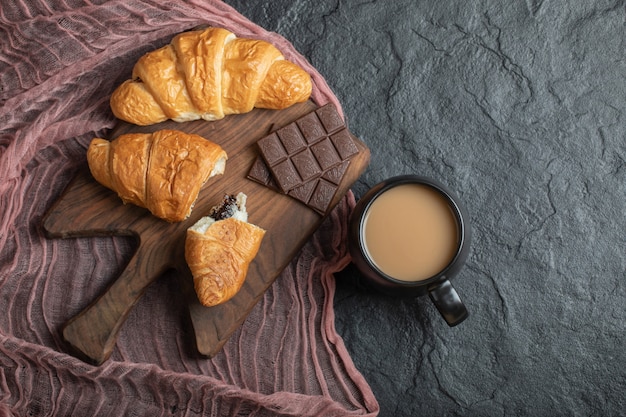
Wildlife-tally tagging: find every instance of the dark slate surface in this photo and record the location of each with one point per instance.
(518, 106)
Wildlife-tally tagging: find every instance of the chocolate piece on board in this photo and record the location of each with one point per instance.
(307, 165)
(330, 118)
(335, 175)
(306, 159)
(326, 154)
(304, 192)
(303, 150)
(259, 173)
(311, 128)
(272, 149)
(344, 144)
(322, 196)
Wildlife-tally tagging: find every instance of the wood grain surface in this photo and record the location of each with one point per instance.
(88, 209)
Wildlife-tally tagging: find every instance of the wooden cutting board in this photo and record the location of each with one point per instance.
(88, 209)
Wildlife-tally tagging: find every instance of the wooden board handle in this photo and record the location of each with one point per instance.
(92, 334)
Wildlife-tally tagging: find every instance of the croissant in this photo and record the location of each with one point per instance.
(207, 74)
(219, 249)
(161, 171)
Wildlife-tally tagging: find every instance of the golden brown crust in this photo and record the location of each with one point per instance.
(180, 164)
(285, 85)
(160, 75)
(200, 56)
(131, 101)
(246, 63)
(128, 158)
(219, 258)
(208, 74)
(97, 157)
(161, 171)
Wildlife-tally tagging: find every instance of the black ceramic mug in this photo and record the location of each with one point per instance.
(420, 245)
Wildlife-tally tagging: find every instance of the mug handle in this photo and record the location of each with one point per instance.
(448, 302)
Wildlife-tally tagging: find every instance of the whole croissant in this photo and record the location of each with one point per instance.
(161, 171)
(207, 74)
(219, 248)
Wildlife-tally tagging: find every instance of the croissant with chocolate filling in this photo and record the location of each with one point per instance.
(207, 74)
(161, 171)
(219, 249)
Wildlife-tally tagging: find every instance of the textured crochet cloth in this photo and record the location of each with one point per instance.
(59, 63)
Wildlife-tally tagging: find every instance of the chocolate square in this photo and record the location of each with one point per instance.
(307, 165)
(261, 174)
(330, 118)
(322, 196)
(285, 175)
(311, 128)
(291, 138)
(306, 159)
(335, 174)
(272, 149)
(344, 144)
(303, 192)
(325, 154)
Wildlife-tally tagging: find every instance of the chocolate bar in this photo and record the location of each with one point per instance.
(306, 159)
(303, 150)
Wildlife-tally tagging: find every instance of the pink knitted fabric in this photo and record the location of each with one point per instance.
(59, 63)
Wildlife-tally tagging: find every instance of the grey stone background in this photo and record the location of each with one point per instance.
(518, 106)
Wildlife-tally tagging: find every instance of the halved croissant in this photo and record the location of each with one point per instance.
(207, 74)
(161, 171)
(219, 249)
